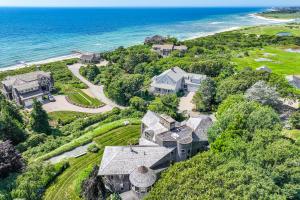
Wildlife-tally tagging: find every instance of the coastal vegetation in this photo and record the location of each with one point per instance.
(249, 158)
(292, 28)
(282, 13)
(277, 58)
(252, 153)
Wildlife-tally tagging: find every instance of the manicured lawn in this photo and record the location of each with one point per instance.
(66, 117)
(272, 29)
(67, 185)
(294, 134)
(78, 97)
(88, 137)
(282, 62)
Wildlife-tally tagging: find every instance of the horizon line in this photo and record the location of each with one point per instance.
(3, 6)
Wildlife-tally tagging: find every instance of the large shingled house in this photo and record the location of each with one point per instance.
(133, 170)
(24, 88)
(175, 80)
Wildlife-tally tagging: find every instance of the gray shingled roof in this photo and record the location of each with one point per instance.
(143, 177)
(195, 122)
(24, 78)
(27, 85)
(163, 46)
(151, 120)
(125, 159)
(176, 134)
(174, 73)
(180, 48)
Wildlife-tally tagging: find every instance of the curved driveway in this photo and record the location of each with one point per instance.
(96, 90)
(61, 104)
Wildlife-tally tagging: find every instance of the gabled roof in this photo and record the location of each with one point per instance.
(175, 74)
(163, 46)
(180, 48)
(24, 78)
(202, 121)
(125, 159)
(152, 121)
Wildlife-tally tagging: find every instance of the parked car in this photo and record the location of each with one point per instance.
(51, 98)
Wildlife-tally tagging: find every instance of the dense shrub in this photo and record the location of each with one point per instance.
(33, 182)
(10, 159)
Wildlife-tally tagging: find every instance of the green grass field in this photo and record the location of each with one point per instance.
(68, 185)
(65, 117)
(282, 62)
(294, 29)
(276, 15)
(88, 137)
(78, 97)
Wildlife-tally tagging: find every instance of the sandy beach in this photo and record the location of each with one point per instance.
(256, 15)
(212, 33)
(77, 55)
(41, 62)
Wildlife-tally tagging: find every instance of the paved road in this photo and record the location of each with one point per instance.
(81, 150)
(61, 104)
(96, 90)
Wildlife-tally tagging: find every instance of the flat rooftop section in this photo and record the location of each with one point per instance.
(177, 134)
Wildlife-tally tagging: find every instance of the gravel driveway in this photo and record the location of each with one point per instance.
(186, 103)
(61, 104)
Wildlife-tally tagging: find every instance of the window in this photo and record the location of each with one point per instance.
(143, 189)
(182, 150)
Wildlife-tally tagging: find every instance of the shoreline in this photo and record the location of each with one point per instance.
(199, 35)
(41, 62)
(77, 55)
(257, 16)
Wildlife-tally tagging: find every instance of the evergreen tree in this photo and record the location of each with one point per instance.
(204, 97)
(39, 118)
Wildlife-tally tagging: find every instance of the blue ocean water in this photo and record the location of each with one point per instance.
(32, 34)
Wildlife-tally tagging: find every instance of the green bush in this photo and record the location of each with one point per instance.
(93, 148)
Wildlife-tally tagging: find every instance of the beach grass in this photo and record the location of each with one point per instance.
(279, 60)
(294, 29)
(68, 184)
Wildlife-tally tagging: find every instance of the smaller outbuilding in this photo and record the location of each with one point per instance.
(90, 58)
(165, 50)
